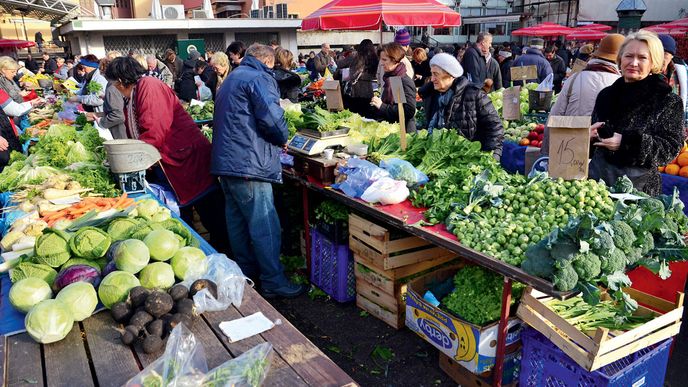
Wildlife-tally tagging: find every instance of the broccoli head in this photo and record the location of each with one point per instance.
(622, 234)
(613, 262)
(602, 244)
(645, 243)
(587, 266)
(623, 185)
(564, 249)
(633, 255)
(538, 261)
(564, 277)
(652, 205)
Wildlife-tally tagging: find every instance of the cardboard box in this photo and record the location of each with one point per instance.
(471, 346)
(333, 95)
(569, 146)
(460, 375)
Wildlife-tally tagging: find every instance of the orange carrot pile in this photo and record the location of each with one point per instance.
(85, 205)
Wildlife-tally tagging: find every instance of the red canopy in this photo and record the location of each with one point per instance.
(544, 29)
(585, 34)
(369, 15)
(678, 23)
(12, 43)
(666, 29)
(596, 27)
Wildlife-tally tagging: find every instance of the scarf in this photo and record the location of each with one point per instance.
(11, 89)
(131, 121)
(601, 65)
(443, 100)
(400, 71)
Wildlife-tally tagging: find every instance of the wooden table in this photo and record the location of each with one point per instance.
(93, 355)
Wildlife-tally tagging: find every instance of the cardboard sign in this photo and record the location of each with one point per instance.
(579, 65)
(524, 73)
(569, 146)
(511, 103)
(397, 89)
(333, 95)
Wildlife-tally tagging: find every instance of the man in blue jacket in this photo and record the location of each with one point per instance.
(477, 58)
(249, 131)
(534, 57)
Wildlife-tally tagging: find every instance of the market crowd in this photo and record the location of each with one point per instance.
(634, 88)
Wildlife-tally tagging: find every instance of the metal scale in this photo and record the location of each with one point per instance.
(312, 142)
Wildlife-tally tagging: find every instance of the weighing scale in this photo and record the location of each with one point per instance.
(311, 142)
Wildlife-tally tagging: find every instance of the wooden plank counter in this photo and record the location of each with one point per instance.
(92, 354)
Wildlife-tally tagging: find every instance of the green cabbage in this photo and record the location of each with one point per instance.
(49, 321)
(28, 292)
(147, 208)
(162, 244)
(80, 298)
(189, 263)
(120, 228)
(36, 270)
(90, 243)
(182, 231)
(115, 287)
(157, 275)
(131, 256)
(52, 248)
(141, 230)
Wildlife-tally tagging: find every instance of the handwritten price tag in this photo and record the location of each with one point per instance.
(569, 147)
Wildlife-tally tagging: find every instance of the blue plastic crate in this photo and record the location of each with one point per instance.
(332, 267)
(543, 364)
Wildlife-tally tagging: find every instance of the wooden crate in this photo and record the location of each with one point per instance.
(466, 378)
(387, 250)
(601, 347)
(395, 320)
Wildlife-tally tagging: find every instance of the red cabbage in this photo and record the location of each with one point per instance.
(76, 273)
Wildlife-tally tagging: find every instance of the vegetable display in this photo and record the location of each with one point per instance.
(49, 321)
(202, 112)
(80, 298)
(29, 292)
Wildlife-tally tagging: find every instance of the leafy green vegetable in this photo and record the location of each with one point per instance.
(90, 243)
(37, 270)
(586, 317)
(331, 212)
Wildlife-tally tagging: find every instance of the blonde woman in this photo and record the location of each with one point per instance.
(8, 70)
(638, 121)
(220, 63)
(288, 81)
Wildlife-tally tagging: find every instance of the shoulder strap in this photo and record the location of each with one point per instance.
(570, 90)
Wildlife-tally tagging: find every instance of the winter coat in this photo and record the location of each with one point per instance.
(50, 66)
(163, 73)
(113, 109)
(475, 65)
(186, 86)
(11, 88)
(381, 72)
(161, 121)
(312, 72)
(7, 131)
(390, 112)
(533, 57)
(249, 127)
(32, 65)
(62, 72)
(470, 112)
(209, 78)
(321, 62)
(505, 69)
(565, 54)
(175, 67)
(578, 95)
(422, 69)
(363, 88)
(289, 84)
(93, 102)
(494, 73)
(650, 119)
(559, 71)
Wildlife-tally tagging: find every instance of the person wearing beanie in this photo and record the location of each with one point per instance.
(675, 71)
(579, 92)
(505, 59)
(534, 57)
(403, 38)
(452, 102)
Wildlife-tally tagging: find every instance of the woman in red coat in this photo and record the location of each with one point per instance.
(154, 114)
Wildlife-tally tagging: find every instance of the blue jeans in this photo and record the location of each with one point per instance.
(254, 230)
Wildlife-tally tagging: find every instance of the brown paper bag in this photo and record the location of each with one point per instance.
(511, 103)
(569, 146)
(333, 95)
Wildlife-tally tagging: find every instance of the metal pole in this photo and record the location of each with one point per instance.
(502, 332)
(568, 15)
(26, 36)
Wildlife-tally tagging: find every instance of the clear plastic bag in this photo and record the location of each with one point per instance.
(70, 110)
(182, 364)
(249, 369)
(403, 170)
(360, 174)
(230, 281)
(547, 84)
(386, 191)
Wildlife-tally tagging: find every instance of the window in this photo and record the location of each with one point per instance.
(442, 31)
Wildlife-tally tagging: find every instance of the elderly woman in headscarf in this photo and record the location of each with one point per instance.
(452, 102)
(92, 94)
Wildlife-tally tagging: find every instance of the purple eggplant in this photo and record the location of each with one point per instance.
(109, 268)
(76, 273)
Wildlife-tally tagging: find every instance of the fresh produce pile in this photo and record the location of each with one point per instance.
(360, 129)
(477, 295)
(679, 165)
(587, 317)
(534, 137)
(32, 80)
(201, 112)
(497, 98)
(515, 131)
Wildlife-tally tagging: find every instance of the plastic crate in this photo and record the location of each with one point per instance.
(543, 364)
(337, 232)
(332, 268)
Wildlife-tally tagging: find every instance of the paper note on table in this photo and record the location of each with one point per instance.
(244, 327)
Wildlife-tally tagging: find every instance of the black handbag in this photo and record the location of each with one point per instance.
(601, 169)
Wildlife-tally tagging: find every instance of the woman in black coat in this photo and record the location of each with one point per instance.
(358, 90)
(289, 82)
(452, 102)
(387, 110)
(638, 121)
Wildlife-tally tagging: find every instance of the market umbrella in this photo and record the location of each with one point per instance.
(665, 29)
(596, 27)
(370, 14)
(678, 23)
(584, 34)
(543, 29)
(13, 43)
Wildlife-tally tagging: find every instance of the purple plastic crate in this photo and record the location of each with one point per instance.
(332, 268)
(543, 364)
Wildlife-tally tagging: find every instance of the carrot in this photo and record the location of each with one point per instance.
(128, 203)
(120, 201)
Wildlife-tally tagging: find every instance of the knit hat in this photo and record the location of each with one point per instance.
(402, 37)
(193, 54)
(669, 44)
(537, 43)
(447, 63)
(587, 49)
(609, 47)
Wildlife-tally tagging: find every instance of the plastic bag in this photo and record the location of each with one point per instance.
(69, 111)
(230, 283)
(403, 170)
(182, 364)
(360, 174)
(547, 84)
(249, 369)
(386, 191)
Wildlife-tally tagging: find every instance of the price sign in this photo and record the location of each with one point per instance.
(511, 103)
(569, 146)
(523, 73)
(400, 99)
(333, 95)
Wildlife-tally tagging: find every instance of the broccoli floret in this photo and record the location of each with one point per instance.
(652, 205)
(565, 277)
(602, 244)
(538, 261)
(564, 249)
(623, 185)
(622, 234)
(613, 262)
(645, 243)
(633, 255)
(587, 266)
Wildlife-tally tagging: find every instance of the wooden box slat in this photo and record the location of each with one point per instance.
(395, 320)
(66, 362)
(24, 361)
(114, 362)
